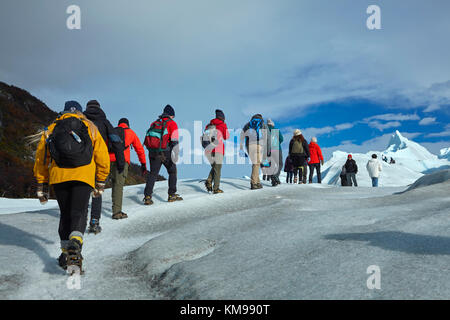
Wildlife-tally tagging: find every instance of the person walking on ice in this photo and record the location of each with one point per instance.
(351, 169)
(73, 158)
(374, 168)
(161, 141)
(118, 177)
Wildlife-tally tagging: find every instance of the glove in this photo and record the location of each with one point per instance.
(321, 162)
(120, 169)
(42, 192)
(143, 169)
(99, 189)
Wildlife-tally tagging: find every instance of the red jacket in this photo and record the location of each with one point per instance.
(222, 134)
(130, 139)
(315, 153)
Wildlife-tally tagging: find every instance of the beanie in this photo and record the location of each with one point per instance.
(374, 156)
(124, 120)
(220, 114)
(169, 110)
(72, 106)
(93, 103)
(349, 156)
(270, 123)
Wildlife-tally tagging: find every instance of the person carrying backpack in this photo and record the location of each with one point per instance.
(316, 159)
(215, 151)
(94, 113)
(72, 157)
(161, 141)
(289, 169)
(257, 142)
(276, 154)
(118, 178)
(299, 153)
(351, 169)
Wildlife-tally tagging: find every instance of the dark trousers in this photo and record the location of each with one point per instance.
(289, 176)
(96, 208)
(73, 199)
(302, 171)
(316, 166)
(156, 161)
(351, 177)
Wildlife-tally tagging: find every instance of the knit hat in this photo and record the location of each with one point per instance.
(169, 110)
(93, 103)
(374, 156)
(270, 123)
(314, 139)
(297, 132)
(124, 120)
(72, 106)
(349, 156)
(220, 115)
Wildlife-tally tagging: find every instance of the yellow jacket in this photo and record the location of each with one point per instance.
(50, 173)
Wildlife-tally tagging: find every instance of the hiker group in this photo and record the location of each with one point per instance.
(79, 151)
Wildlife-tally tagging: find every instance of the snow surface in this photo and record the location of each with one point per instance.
(412, 161)
(288, 242)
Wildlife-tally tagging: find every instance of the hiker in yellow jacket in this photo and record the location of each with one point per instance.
(73, 158)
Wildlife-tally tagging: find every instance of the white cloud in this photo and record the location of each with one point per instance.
(383, 126)
(445, 133)
(393, 117)
(427, 121)
(432, 107)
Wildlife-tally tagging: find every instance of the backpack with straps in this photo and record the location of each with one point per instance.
(118, 136)
(256, 124)
(297, 147)
(157, 137)
(69, 144)
(209, 137)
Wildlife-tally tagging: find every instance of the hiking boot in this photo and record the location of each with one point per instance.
(74, 257)
(174, 197)
(62, 260)
(94, 226)
(148, 200)
(119, 215)
(256, 186)
(217, 191)
(208, 186)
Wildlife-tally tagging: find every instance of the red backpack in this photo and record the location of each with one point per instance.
(157, 137)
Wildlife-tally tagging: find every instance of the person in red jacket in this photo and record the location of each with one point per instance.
(316, 159)
(118, 178)
(164, 153)
(216, 155)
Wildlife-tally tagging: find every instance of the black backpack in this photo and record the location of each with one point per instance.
(70, 144)
(118, 136)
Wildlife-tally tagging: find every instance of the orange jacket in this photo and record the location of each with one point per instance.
(48, 172)
(131, 139)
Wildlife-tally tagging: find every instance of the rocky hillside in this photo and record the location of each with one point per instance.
(22, 115)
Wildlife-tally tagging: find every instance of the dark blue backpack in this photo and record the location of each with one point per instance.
(256, 124)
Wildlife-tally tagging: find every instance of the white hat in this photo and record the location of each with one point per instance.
(297, 132)
(314, 139)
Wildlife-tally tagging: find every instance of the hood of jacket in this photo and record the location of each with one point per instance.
(94, 113)
(216, 121)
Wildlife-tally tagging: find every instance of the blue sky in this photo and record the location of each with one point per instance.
(306, 64)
